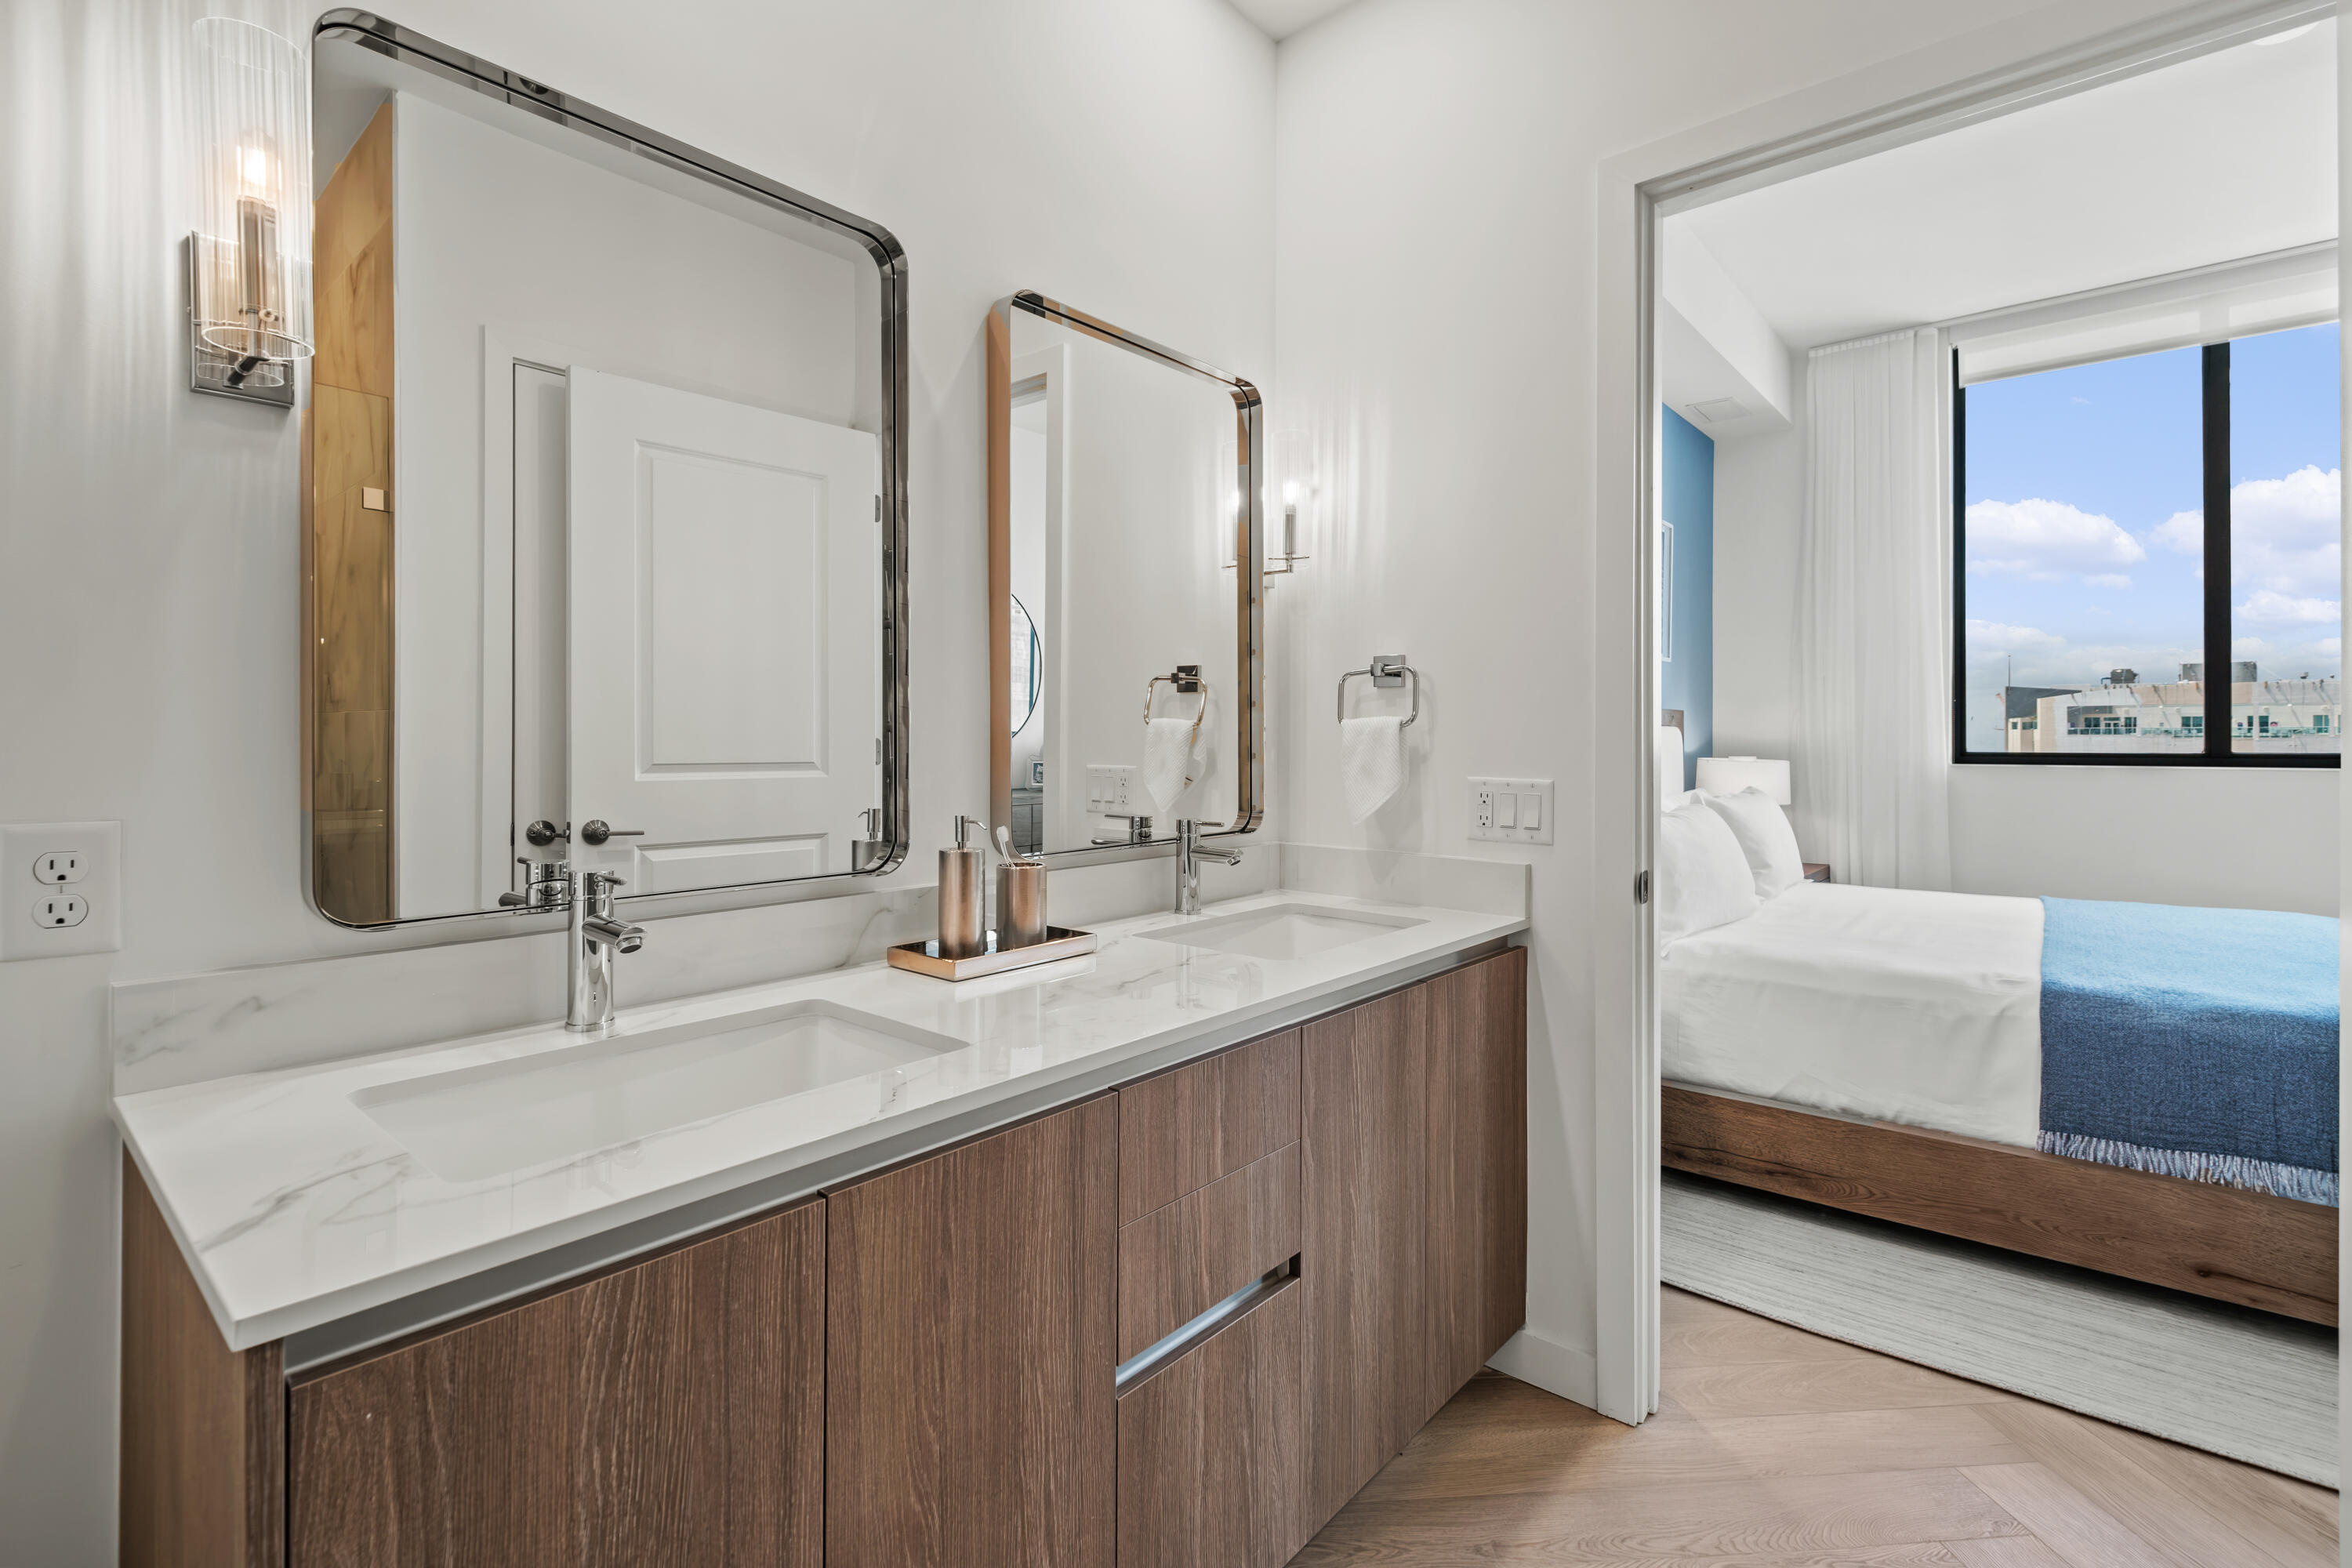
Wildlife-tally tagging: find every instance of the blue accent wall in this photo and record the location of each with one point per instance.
(1687, 677)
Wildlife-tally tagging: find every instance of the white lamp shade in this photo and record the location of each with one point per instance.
(1730, 775)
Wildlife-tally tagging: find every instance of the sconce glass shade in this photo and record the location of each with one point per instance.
(1730, 775)
(249, 259)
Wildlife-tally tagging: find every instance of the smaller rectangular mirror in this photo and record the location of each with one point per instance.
(1126, 590)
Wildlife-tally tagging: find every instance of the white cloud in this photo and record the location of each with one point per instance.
(2285, 535)
(2332, 647)
(2107, 580)
(2270, 609)
(2047, 539)
(2183, 531)
(1992, 637)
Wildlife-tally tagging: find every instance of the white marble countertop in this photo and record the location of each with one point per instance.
(299, 1215)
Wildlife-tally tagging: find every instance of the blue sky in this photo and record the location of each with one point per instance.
(2084, 515)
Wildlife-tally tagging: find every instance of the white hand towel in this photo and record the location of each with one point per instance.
(1371, 763)
(1167, 754)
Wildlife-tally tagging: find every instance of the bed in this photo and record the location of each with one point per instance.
(2143, 1090)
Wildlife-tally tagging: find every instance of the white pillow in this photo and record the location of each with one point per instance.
(1765, 838)
(1703, 880)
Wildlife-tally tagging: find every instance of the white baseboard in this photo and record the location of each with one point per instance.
(1568, 1370)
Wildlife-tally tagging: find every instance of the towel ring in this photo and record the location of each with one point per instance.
(1187, 679)
(1184, 681)
(1386, 669)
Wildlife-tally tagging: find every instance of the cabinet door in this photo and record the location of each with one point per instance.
(970, 1407)
(1478, 1109)
(1362, 1262)
(670, 1412)
(1212, 1450)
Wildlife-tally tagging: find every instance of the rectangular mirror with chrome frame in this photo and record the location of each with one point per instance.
(1125, 588)
(604, 504)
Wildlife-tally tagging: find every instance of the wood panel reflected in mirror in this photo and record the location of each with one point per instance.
(1125, 585)
(624, 538)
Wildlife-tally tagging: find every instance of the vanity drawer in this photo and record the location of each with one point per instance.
(1212, 1449)
(1183, 1130)
(1182, 1259)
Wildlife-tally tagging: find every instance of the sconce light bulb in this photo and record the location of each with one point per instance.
(1290, 492)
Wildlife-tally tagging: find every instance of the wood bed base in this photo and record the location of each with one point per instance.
(2227, 1243)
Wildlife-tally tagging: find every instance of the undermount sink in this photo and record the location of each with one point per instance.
(1284, 930)
(486, 1121)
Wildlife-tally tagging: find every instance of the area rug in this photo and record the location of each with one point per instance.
(2228, 1380)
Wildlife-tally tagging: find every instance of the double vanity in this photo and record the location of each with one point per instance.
(1150, 1254)
(1154, 1255)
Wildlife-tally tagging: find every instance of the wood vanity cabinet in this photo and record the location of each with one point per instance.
(669, 1412)
(1477, 1180)
(919, 1369)
(969, 1394)
(1212, 1449)
(1364, 1254)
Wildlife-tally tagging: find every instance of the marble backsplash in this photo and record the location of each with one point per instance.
(189, 1028)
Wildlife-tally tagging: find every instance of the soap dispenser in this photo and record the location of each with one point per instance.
(962, 904)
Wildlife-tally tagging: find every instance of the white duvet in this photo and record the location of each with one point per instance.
(1923, 1008)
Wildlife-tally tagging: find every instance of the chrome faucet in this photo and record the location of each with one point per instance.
(1188, 856)
(596, 936)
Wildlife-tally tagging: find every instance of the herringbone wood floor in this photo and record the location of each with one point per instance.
(1775, 1448)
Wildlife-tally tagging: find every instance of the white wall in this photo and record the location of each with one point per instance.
(1114, 155)
(1436, 304)
(1760, 495)
(2260, 840)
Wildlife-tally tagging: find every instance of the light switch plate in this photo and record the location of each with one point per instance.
(1111, 789)
(33, 901)
(1511, 811)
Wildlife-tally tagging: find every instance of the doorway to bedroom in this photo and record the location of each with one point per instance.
(1998, 626)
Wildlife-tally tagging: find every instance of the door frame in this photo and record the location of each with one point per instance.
(1979, 75)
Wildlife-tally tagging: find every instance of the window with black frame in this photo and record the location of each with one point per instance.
(2126, 526)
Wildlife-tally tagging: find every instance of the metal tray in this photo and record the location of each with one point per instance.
(923, 957)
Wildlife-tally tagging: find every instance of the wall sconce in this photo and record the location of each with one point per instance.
(249, 260)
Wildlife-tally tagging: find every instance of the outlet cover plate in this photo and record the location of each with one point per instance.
(23, 890)
(1501, 810)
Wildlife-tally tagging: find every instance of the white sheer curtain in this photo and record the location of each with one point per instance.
(1873, 713)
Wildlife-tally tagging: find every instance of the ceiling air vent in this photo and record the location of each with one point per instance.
(1716, 410)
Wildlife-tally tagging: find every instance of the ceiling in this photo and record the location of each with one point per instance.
(2228, 155)
(1278, 19)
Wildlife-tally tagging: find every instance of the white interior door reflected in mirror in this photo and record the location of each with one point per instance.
(740, 608)
(720, 714)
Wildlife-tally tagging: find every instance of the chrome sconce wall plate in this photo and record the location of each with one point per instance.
(248, 263)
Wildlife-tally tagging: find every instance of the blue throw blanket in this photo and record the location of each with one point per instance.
(2200, 1043)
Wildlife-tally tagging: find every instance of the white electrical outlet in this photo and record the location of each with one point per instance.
(1511, 811)
(61, 888)
(60, 909)
(58, 867)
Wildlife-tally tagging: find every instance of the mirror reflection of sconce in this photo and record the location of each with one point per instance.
(1293, 461)
(249, 260)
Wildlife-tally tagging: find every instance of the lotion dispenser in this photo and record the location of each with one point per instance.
(962, 903)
